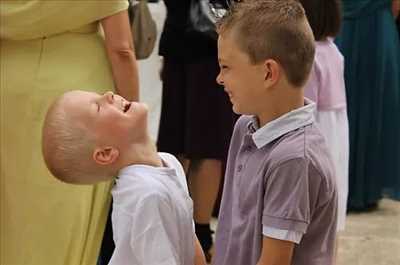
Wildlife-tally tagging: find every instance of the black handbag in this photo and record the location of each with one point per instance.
(203, 15)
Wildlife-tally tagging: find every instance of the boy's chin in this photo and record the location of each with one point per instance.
(237, 110)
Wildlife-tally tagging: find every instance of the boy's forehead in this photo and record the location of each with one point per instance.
(80, 94)
(226, 47)
(229, 50)
(78, 97)
(78, 102)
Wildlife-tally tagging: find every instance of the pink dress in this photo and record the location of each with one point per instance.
(326, 87)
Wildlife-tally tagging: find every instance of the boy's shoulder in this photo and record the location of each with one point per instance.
(305, 152)
(138, 183)
(300, 156)
(303, 144)
(169, 160)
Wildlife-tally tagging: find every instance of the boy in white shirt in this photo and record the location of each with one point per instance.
(88, 138)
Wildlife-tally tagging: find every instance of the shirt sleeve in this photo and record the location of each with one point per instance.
(290, 195)
(282, 234)
(155, 234)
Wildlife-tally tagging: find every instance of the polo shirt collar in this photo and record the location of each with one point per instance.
(286, 123)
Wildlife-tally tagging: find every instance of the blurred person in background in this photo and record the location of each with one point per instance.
(196, 116)
(372, 77)
(326, 88)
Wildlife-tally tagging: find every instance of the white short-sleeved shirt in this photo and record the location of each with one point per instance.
(152, 215)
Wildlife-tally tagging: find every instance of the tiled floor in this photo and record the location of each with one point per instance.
(372, 238)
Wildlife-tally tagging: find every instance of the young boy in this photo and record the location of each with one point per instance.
(89, 138)
(279, 201)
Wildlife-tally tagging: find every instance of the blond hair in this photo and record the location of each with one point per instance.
(273, 29)
(67, 146)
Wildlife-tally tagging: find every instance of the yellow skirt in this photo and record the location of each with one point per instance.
(42, 220)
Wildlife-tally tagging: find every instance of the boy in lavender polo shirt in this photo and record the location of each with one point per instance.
(279, 202)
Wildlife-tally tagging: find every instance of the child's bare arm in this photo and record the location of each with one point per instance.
(199, 258)
(276, 252)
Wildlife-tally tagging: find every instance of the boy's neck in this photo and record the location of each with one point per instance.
(143, 153)
(277, 107)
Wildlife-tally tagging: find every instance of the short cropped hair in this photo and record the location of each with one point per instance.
(67, 147)
(273, 29)
(324, 16)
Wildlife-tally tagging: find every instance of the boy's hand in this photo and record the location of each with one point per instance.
(276, 252)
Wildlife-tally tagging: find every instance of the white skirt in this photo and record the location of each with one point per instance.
(334, 126)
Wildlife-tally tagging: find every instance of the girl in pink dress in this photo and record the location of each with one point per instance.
(326, 88)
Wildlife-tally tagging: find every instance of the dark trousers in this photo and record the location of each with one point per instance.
(107, 245)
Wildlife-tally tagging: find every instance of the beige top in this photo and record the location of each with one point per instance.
(24, 19)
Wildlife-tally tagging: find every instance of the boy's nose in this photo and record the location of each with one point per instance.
(108, 97)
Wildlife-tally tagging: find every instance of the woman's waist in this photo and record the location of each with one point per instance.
(64, 40)
(69, 50)
(87, 29)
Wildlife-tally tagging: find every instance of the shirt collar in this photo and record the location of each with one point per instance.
(139, 169)
(286, 123)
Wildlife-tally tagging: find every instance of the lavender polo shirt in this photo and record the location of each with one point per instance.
(279, 183)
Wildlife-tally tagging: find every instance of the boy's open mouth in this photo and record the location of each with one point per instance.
(127, 106)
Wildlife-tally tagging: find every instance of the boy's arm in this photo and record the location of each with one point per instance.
(276, 252)
(199, 258)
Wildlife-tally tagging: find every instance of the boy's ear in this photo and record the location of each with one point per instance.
(272, 72)
(105, 155)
